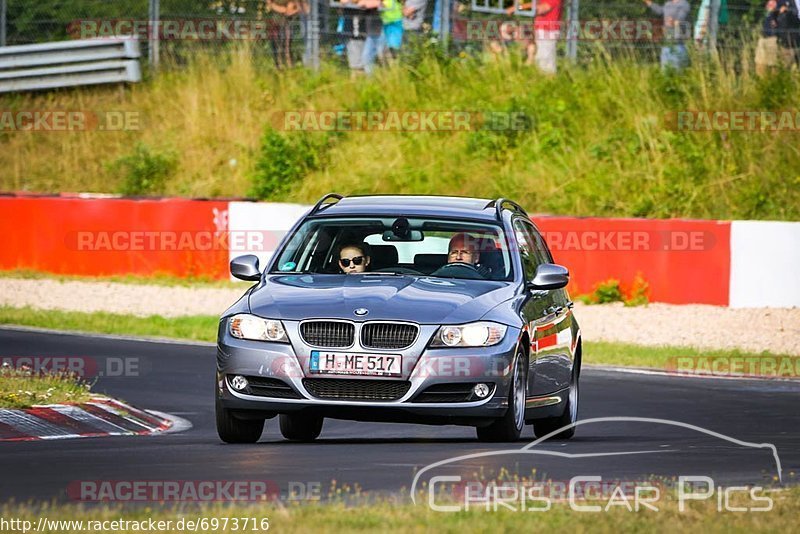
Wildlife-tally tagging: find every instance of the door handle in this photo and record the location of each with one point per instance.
(555, 310)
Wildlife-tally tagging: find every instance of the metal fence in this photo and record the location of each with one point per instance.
(294, 32)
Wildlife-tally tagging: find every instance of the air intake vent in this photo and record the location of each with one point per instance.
(270, 387)
(328, 334)
(347, 389)
(388, 335)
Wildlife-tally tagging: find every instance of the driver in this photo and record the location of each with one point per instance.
(463, 249)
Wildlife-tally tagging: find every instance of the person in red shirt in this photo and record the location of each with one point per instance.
(547, 29)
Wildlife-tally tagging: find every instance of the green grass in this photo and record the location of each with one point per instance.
(193, 328)
(22, 388)
(598, 141)
(685, 359)
(156, 279)
(204, 328)
(386, 516)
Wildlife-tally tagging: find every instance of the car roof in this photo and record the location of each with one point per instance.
(411, 205)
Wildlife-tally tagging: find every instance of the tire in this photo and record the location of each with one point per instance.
(233, 430)
(542, 427)
(300, 427)
(509, 427)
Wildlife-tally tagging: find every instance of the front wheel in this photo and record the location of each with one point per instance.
(509, 427)
(542, 427)
(299, 427)
(233, 430)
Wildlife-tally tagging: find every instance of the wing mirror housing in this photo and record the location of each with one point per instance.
(549, 276)
(246, 268)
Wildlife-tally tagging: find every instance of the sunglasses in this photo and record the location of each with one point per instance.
(345, 262)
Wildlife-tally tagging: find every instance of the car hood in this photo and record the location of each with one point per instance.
(422, 300)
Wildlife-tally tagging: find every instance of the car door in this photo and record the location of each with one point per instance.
(549, 319)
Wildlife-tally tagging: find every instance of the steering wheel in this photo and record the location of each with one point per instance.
(458, 269)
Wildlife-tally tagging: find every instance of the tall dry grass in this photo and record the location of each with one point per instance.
(598, 142)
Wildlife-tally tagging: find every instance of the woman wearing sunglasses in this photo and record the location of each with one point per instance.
(354, 259)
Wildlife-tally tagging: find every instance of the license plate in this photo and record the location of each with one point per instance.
(343, 363)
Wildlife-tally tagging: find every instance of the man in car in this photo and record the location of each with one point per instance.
(463, 249)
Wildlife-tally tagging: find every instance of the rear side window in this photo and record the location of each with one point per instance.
(527, 246)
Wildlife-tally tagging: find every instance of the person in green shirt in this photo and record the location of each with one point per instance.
(388, 16)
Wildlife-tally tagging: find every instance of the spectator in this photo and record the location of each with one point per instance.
(392, 18)
(373, 42)
(352, 27)
(414, 16)
(701, 27)
(547, 30)
(676, 13)
(787, 31)
(281, 13)
(767, 46)
(384, 29)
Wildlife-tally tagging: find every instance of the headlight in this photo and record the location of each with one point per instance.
(481, 334)
(245, 326)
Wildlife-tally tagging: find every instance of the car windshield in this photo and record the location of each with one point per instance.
(412, 246)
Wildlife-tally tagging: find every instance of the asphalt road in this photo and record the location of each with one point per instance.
(178, 379)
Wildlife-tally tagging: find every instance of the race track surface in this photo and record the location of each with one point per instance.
(178, 379)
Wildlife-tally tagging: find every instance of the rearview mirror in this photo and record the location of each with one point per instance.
(410, 235)
(549, 276)
(246, 268)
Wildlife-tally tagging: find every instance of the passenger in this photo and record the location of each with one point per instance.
(354, 258)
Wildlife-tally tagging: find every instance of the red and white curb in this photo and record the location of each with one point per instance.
(101, 416)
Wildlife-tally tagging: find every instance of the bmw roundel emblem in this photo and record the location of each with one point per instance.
(361, 311)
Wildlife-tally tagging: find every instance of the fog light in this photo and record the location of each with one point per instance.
(239, 383)
(481, 390)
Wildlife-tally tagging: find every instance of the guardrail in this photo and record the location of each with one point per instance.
(69, 64)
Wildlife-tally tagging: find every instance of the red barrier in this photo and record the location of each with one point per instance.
(101, 237)
(684, 261)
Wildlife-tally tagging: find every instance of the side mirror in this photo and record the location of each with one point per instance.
(549, 276)
(246, 268)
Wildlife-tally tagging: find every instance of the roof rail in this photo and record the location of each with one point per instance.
(319, 205)
(498, 206)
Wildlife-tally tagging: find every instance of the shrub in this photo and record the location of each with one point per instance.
(605, 292)
(285, 159)
(639, 295)
(145, 171)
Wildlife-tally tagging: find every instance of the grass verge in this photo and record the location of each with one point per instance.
(193, 328)
(23, 387)
(204, 328)
(391, 517)
(691, 360)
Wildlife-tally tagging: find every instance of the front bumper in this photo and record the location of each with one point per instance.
(422, 368)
